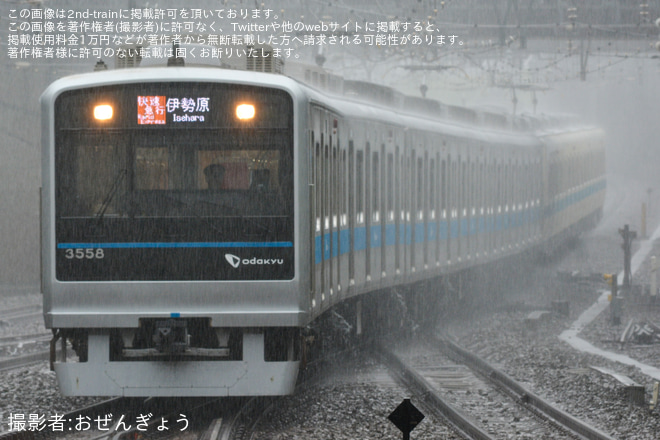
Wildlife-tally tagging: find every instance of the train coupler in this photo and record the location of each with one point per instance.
(171, 336)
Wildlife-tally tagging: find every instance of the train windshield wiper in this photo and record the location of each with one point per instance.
(111, 193)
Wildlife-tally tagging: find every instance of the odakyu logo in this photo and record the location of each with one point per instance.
(236, 261)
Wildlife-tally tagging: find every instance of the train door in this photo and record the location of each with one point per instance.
(325, 206)
(537, 179)
(412, 213)
(376, 210)
(528, 194)
(386, 170)
(343, 212)
(459, 205)
(443, 230)
(351, 212)
(425, 207)
(489, 183)
(432, 232)
(421, 209)
(481, 202)
(468, 199)
(493, 200)
(451, 212)
(368, 210)
(406, 206)
(336, 198)
(501, 184)
(398, 209)
(359, 236)
(508, 197)
(316, 206)
(515, 189)
(415, 220)
(508, 207)
(520, 183)
(332, 196)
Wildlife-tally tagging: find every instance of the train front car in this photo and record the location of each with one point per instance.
(168, 232)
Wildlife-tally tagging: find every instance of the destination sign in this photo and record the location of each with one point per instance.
(159, 110)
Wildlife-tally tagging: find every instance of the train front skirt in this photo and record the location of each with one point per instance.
(250, 376)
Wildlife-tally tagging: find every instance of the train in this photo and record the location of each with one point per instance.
(196, 219)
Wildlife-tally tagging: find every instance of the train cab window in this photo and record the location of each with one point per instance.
(169, 177)
(100, 169)
(152, 169)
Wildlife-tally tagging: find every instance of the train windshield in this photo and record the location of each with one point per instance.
(217, 173)
(175, 174)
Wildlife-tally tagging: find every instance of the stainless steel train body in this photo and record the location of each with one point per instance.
(170, 279)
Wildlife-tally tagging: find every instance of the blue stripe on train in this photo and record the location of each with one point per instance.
(143, 245)
(439, 230)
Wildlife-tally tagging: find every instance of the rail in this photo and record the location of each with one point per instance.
(525, 396)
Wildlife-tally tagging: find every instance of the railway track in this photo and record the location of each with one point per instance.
(130, 418)
(24, 360)
(121, 418)
(17, 340)
(537, 405)
(479, 401)
(43, 427)
(23, 313)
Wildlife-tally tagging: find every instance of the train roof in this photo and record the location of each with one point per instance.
(169, 74)
(356, 99)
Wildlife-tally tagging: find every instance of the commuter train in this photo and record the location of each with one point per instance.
(196, 219)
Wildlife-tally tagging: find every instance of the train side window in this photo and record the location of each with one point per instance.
(367, 184)
(514, 186)
(375, 176)
(406, 200)
(390, 187)
(420, 189)
(326, 186)
(450, 193)
(443, 188)
(482, 179)
(500, 178)
(317, 189)
(473, 187)
(351, 185)
(359, 186)
(432, 189)
(398, 195)
(335, 175)
(507, 178)
(344, 189)
(464, 189)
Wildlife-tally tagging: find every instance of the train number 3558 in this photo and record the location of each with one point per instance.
(82, 254)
